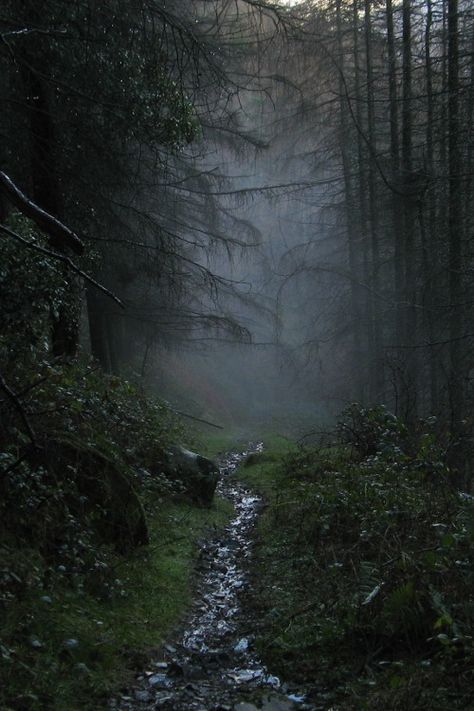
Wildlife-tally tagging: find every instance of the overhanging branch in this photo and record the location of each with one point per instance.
(46, 222)
(65, 260)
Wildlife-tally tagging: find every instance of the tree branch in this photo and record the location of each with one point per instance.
(12, 396)
(46, 222)
(65, 260)
(192, 417)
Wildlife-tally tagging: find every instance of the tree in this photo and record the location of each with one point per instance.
(101, 103)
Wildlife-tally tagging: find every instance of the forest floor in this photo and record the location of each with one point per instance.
(338, 585)
(211, 662)
(334, 578)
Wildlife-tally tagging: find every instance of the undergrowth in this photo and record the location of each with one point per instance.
(65, 647)
(83, 603)
(364, 579)
(96, 537)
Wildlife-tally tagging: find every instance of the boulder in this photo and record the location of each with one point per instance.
(103, 491)
(198, 475)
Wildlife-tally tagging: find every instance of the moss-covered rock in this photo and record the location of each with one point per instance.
(104, 491)
(198, 475)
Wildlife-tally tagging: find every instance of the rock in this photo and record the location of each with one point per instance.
(160, 681)
(198, 474)
(241, 646)
(175, 669)
(297, 698)
(161, 699)
(142, 695)
(70, 644)
(244, 706)
(106, 487)
(243, 676)
(277, 704)
(82, 668)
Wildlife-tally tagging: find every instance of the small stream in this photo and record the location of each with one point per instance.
(212, 665)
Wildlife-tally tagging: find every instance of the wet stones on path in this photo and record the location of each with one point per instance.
(213, 666)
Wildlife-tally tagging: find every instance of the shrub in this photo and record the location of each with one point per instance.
(368, 560)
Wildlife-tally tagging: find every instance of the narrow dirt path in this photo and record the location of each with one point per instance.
(212, 665)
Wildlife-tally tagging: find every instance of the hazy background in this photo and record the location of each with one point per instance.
(289, 371)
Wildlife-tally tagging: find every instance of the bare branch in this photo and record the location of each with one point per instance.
(12, 396)
(65, 260)
(46, 222)
(192, 417)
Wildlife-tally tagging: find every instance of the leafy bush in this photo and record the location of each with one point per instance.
(32, 290)
(372, 430)
(71, 506)
(75, 406)
(74, 444)
(368, 560)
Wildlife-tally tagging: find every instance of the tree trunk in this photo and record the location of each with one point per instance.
(396, 221)
(361, 192)
(44, 179)
(99, 336)
(429, 248)
(350, 208)
(455, 224)
(409, 216)
(378, 379)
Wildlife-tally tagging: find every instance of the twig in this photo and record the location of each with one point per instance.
(15, 464)
(32, 386)
(399, 555)
(17, 404)
(198, 419)
(31, 31)
(65, 260)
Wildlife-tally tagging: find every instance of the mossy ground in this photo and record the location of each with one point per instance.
(214, 443)
(80, 611)
(66, 649)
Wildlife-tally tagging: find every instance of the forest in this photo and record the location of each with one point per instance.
(236, 410)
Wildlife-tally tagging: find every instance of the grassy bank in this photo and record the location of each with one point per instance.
(97, 537)
(212, 443)
(66, 648)
(364, 573)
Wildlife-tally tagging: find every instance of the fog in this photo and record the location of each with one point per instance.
(337, 219)
(278, 196)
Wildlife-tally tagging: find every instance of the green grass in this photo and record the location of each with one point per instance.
(263, 470)
(114, 636)
(212, 444)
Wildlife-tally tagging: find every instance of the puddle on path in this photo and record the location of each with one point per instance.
(212, 666)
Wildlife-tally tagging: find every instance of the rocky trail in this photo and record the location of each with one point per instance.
(212, 664)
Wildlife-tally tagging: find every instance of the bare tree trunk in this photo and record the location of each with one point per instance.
(361, 192)
(350, 208)
(409, 216)
(396, 217)
(46, 193)
(99, 336)
(378, 379)
(455, 223)
(428, 248)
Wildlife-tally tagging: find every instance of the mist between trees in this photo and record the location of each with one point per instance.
(281, 197)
